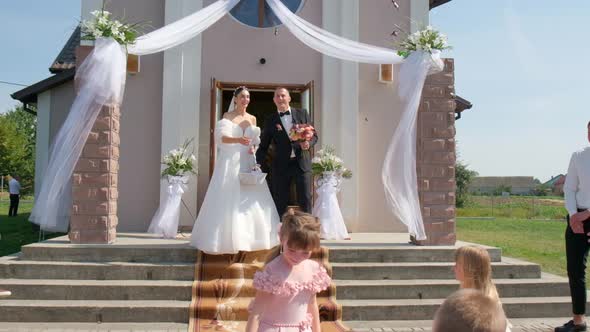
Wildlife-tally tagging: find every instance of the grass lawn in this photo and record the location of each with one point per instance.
(17, 231)
(541, 242)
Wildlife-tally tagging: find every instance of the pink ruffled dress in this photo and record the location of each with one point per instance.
(284, 295)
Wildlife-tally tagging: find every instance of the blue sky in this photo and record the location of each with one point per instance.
(33, 33)
(522, 63)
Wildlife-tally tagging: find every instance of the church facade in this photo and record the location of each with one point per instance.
(179, 94)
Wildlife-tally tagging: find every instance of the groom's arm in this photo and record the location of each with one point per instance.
(265, 139)
(314, 139)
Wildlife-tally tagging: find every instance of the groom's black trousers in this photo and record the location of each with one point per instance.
(281, 187)
(576, 249)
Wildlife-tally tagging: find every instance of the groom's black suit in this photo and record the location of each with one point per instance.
(284, 168)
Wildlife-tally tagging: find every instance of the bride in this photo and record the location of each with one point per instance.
(236, 217)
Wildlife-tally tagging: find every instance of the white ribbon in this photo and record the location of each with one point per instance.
(327, 209)
(165, 221)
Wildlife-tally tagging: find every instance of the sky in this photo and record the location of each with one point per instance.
(32, 32)
(522, 63)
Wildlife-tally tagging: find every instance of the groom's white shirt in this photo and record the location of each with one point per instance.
(287, 121)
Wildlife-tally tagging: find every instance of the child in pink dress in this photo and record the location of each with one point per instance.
(286, 288)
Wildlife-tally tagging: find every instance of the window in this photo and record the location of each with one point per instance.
(257, 13)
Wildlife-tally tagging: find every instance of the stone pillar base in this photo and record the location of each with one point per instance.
(94, 183)
(435, 157)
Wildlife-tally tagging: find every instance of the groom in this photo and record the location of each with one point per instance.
(292, 160)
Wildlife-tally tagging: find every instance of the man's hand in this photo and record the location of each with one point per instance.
(580, 216)
(304, 145)
(577, 221)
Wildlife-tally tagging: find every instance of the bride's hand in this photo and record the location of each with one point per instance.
(244, 140)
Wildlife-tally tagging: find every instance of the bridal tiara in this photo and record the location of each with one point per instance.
(239, 90)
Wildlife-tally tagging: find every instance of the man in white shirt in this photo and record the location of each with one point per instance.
(577, 203)
(14, 190)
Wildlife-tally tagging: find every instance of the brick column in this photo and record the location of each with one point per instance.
(435, 157)
(94, 183)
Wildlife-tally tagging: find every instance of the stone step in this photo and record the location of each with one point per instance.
(398, 253)
(112, 290)
(545, 324)
(92, 327)
(12, 268)
(515, 307)
(175, 252)
(94, 311)
(507, 269)
(433, 289)
(119, 290)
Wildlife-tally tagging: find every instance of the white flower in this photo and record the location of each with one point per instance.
(193, 157)
(316, 160)
(181, 161)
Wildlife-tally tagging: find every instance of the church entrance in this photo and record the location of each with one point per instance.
(261, 106)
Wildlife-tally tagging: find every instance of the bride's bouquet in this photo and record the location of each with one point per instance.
(179, 162)
(301, 132)
(426, 40)
(327, 162)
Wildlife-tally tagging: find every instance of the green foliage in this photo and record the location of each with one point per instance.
(16, 232)
(539, 242)
(503, 188)
(463, 177)
(541, 190)
(17, 146)
(517, 207)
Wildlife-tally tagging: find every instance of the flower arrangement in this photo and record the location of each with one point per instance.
(326, 160)
(179, 161)
(427, 40)
(103, 25)
(301, 132)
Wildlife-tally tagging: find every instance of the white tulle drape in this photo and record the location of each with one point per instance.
(327, 209)
(330, 44)
(165, 221)
(182, 30)
(399, 168)
(100, 81)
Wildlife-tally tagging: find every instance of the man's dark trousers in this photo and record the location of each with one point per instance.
(576, 249)
(14, 199)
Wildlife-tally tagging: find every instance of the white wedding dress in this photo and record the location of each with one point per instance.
(235, 217)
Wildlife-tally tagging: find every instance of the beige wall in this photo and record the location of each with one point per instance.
(379, 115)
(231, 52)
(141, 125)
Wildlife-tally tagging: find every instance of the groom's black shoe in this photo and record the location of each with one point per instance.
(571, 327)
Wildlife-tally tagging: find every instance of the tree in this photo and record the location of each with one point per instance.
(503, 188)
(17, 146)
(463, 177)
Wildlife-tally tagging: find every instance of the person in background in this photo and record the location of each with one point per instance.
(577, 203)
(14, 190)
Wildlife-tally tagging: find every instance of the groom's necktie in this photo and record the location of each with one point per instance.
(282, 114)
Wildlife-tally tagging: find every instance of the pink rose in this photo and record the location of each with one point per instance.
(279, 128)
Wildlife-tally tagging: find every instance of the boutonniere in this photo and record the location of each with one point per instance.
(279, 128)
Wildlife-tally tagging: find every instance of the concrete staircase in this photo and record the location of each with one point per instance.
(130, 281)
(380, 278)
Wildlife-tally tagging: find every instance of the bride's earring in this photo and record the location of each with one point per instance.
(281, 249)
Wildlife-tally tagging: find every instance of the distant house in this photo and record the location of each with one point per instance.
(519, 185)
(556, 184)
